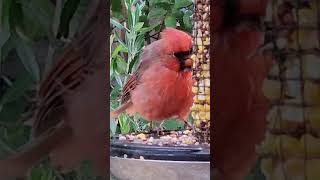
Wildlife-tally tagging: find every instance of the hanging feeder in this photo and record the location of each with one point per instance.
(201, 68)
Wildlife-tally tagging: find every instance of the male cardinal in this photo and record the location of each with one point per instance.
(69, 124)
(161, 87)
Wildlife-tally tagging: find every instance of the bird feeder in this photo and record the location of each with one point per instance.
(201, 69)
(291, 147)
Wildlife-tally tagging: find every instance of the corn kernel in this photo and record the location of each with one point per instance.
(195, 99)
(200, 107)
(208, 115)
(193, 114)
(206, 41)
(199, 42)
(206, 107)
(202, 115)
(201, 97)
(195, 89)
(207, 82)
(198, 123)
(205, 67)
(200, 49)
(141, 136)
(194, 57)
(207, 90)
(207, 98)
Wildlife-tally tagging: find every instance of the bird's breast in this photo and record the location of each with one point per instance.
(162, 93)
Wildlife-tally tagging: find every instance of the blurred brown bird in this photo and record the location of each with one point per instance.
(161, 87)
(69, 124)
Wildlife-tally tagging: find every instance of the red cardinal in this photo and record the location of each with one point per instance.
(161, 87)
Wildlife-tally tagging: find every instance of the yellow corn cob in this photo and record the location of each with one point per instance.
(306, 39)
(201, 65)
(293, 169)
(292, 153)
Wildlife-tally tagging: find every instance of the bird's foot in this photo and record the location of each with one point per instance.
(187, 125)
(157, 129)
(160, 129)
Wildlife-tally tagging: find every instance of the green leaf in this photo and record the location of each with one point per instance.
(124, 124)
(156, 13)
(116, 6)
(118, 79)
(170, 21)
(5, 11)
(112, 68)
(18, 89)
(131, 18)
(17, 135)
(67, 13)
(120, 41)
(31, 28)
(121, 65)
(113, 126)
(115, 92)
(187, 20)
(177, 13)
(42, 12)
(4, 34)
(27, 57)
(155, 2)
(6, 48)
(15, 15)
(116, 24)
(4, 37)
(140, 42)
(173, 124)
(119, 48)
(138, 11)
(56, 18)
(182, 3)
(12, 111)
(76, 24)
(147, 29)
(138, 26)
(143, 18)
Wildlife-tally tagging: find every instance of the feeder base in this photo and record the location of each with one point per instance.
(139, 169)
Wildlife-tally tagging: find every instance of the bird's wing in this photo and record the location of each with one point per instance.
(134, 79)
(76, 63)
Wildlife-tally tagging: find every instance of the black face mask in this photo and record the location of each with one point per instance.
(182, 56)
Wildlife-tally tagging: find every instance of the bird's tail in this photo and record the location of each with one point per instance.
(17, 165)
(115, 113)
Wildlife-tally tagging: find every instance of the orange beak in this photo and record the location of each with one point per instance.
(188, 63)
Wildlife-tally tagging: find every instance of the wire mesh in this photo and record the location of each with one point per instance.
(201, 71)
(293, 26)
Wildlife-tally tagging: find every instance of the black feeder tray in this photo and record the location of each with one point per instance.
(138, 161)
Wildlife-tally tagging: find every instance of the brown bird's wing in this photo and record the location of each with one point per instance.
(132, 82)
(147, 58)
(77, 62)
(54, 123)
